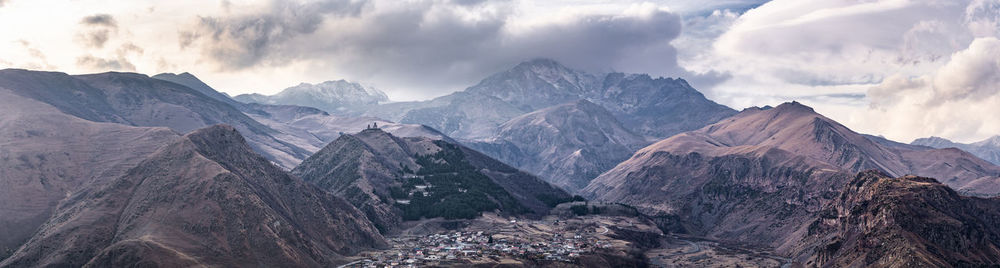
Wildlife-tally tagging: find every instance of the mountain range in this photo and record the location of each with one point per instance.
(204, 200)
(757, 175)
(338, 97)
(988, 149)
(138, 100)
(124, 169)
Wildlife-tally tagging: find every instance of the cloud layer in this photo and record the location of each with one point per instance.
(433, 47)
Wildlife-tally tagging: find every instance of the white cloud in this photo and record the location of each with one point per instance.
(833, 53)
(957, 101)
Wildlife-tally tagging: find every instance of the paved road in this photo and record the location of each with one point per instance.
(657, 261)
(350, 263)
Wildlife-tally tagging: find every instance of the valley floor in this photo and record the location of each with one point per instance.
(586, 241)
(580, 241)
(683, 251)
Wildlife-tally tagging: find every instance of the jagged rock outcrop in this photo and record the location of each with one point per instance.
(568, 145)
(205, 200)
(393, 179)
(880, 221)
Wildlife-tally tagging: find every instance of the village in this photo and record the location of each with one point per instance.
(496, 240)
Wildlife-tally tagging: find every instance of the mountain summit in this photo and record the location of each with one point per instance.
(657, 107)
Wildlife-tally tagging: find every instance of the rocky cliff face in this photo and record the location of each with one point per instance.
(338, 97)
(568, 144)
(879, 221)
(393, 179)
(757, 175)
(205, 200)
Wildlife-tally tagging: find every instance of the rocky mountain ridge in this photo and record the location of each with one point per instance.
(880, 221)
(988, 149)
(394, 178)
(753, 177)
(205, 200)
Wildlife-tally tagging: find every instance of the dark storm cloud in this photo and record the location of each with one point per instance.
(100, 19)
(244, 41)
(440, 50)
(98, 30)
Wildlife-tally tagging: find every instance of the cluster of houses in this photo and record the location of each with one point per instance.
(457, 248)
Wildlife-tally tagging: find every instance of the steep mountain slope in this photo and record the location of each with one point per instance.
(138, 100)
(192, 82)
(734, 179)
(46, 155)
(988, 149)
(879, 221)
(205, 200)
(654, 107)
(393, 179)
(338, 97)
(567, 145)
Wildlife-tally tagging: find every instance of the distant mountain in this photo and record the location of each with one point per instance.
(988, 149)
(654, 107)
(567, 144)
(138, 100)
(312, 129)
(337, 97)
(46, 155)
(745, 176)
(205, 200)
(393, 179)
(879, 221)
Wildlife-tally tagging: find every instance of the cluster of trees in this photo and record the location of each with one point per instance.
(581, 210)
(459, 190)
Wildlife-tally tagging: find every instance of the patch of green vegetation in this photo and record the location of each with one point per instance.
(552, 200)
(458, 190)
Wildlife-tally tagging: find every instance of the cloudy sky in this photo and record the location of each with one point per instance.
(898, 68)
